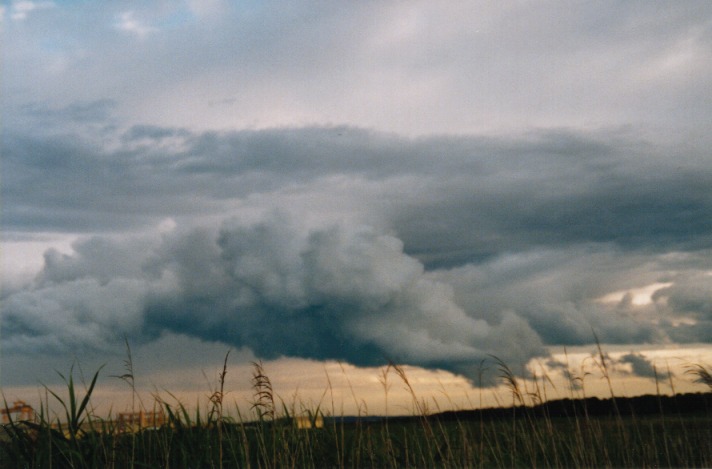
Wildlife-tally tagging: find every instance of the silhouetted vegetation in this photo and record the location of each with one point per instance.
(646, 431)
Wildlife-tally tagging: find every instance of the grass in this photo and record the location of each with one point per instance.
(534, 431)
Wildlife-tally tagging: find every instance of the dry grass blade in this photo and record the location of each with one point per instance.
(263, 401)
(701, 374)
(509, 380)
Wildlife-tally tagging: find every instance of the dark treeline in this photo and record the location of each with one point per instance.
(689, 404)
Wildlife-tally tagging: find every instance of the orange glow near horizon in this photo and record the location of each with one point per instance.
(342, 389)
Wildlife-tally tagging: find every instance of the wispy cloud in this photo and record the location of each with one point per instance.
(643, 367)
(129, 23)
(20, 10)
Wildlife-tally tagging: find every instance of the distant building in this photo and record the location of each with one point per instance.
(18, 412)
(135, 421)
(305, 422)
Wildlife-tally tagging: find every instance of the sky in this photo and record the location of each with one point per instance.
(330, 187)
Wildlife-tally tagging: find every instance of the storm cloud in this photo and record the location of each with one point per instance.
(334, 293)
(366, 183)
(641, 366)
(481, 195)
(501, 248)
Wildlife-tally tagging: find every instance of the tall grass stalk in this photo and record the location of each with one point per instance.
(701, 374)
(216, 413)
(128, 378)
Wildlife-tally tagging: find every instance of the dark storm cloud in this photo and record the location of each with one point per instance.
(59, 184)
(458, 199)
(555, 291)
(691, 294)
(337, 292)
(687, 305)
(283, 288)
(547, 161)
(333, 293)
(642, 366)
(560, 189)
(464, 246)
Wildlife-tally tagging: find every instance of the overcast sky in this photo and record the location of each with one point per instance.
(423, 182)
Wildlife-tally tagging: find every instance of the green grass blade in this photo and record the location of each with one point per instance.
(85, 401)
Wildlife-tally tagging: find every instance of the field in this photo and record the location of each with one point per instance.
(649, 431)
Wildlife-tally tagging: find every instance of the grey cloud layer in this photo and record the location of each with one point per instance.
(279, 288)
(476, 196)
(334, 293)
(424, 68)
(563, 154)
(476, 245)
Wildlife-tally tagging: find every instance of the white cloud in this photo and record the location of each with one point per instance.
(207, 8)
(638, 296)
(128, 22)
(21, 9)
(412, 68)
